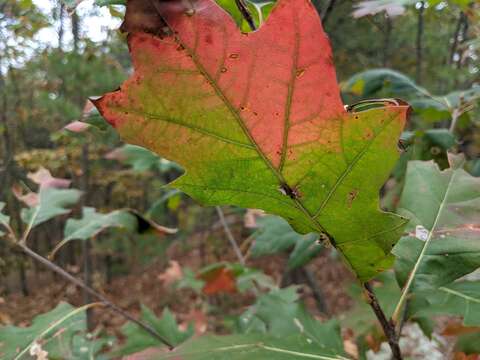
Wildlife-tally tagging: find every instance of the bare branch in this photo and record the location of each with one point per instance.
(53, 267)
(387, 325)
(230, 237)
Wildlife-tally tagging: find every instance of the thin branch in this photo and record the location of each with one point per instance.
(229, 234)
(53, 267)
(387, 325)
(243, 8)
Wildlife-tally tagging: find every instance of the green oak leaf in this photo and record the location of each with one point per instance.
(457, 299)
(443, 243)
(138, 339)
(93, 223)
(52, 330)
(275, 235)
(141, 159)
(52, 202)
(251, 346)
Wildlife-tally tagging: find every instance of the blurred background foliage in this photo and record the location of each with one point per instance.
(51, 62)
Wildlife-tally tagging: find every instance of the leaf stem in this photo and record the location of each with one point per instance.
(243, 8)
(388, 326)
(53, 267)
(25, 235)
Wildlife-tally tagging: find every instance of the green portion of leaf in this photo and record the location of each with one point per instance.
(458, 299)
(259, 9)
(305, 250)
(52, 202)
(110, 2)
(440, 137)
(92, 223)
(266, 312)
(369, 83)
(138, 339)
(250, 347)
(446, 204)
(88, 347)
(54, 330)
(458, 98)
(264, 317)
(275, 235)
(141, 159)
(249, 278)
(190, 281)
(469, 343)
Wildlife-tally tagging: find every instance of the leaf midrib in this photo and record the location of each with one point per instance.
(290, 93)
(211, 81)
(423, 252)
(240, 122)
(258, 345)
(349, 168)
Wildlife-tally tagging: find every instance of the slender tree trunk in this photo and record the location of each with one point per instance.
(419, 46)
(86, 244)
(464, 35)
(454, 46)
(75, 31)
(7, 180)
(84, 186)
(387, 40)
(61, 29)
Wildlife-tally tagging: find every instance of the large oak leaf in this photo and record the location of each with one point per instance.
(257, 121)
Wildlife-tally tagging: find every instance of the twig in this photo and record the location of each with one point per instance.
(229, 234)
(92, 292)
(243, 8)
(387, 325)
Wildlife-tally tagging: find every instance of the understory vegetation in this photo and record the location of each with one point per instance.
(239, 179)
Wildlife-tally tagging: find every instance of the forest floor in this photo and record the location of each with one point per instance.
(146, 286)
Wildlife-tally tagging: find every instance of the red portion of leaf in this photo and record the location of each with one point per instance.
(298, 88)
(219, 280)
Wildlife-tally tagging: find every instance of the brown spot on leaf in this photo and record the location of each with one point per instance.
(300, 72)
(351, 196)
